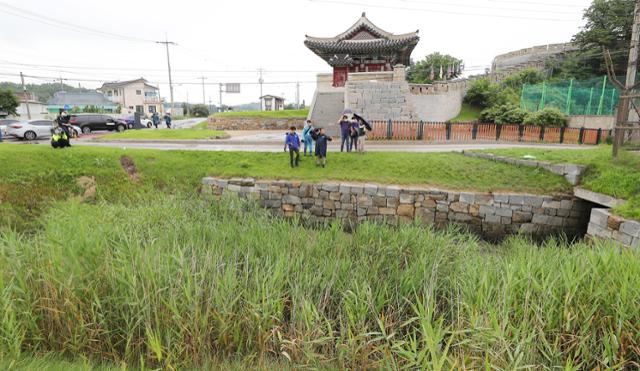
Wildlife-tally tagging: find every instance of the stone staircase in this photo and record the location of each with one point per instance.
(326, 109)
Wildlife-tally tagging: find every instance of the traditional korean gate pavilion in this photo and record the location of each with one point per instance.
(363, 48)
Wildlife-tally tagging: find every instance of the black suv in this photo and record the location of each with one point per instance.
(92, 122)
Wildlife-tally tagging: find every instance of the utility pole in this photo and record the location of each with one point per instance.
(61, 84)
(298, 95)
(166, 44)
(220, 109)
(622, 118)
(204, 100)
(26, 96)
(261, 79)
(187, 105)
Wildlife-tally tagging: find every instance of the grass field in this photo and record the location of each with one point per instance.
(619, 178)
(467, 114)
(175, 282)
(34, 175)
(301, 113)
(164, 134)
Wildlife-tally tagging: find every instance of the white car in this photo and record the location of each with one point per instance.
(36, 129)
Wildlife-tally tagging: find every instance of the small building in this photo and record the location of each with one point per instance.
(364, 47)
(133, 96)
(272, 103)
(37, 109)
(80, 101)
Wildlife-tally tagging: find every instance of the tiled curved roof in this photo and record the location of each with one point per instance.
(363, 37)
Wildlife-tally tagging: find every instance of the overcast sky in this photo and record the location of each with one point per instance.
(227, 41)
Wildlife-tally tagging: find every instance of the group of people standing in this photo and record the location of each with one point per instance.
(155, 119)
(353, 132)
(315, 140)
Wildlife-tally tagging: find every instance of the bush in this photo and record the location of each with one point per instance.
(199, 110)
(526, 76)
(481, 94)
(548, 117)
(504, 114)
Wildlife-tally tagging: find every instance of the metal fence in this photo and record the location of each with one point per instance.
(436, 132)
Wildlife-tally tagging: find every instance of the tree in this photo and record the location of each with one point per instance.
(609, 24)
(434, 66)
(43, 92)
(481, 93)
(199, 110)
(8, 103)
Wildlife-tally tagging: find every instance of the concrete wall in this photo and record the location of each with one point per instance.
(254, 123)
(592, 122)
(440, 101)
(492, 215)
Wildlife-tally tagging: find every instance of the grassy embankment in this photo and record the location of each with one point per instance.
(176, 282)
(35, 175)
(467, 114)
(619, 178)
(301, 113)
(197, 132)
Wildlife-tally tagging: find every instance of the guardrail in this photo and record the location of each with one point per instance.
(465, 132)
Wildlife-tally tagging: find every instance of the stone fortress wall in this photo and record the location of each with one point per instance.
(536, 57)
(491, 215)
(387, 95)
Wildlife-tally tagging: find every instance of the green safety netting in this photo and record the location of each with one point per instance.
(595, 96)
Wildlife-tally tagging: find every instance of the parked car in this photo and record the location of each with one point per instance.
(4, 125)
(36, 129)
(130, 121)
(93, 122)
(31, 129)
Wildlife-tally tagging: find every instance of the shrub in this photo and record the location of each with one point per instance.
(481, 93)
(526, 76)
(200, 110)
(504, 114)
(549, 117)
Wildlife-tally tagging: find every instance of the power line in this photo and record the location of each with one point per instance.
(40, 18)
(342, 2)
(429, 2)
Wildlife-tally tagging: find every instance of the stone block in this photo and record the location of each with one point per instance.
(370, 189)
(356, 189)
(406, 198)
(344, 188)
(323, 194)
(595, 230)
(501, 211)
(487, 210)
(461, 217)
(540, 219)
(387, 211)
(406, 210)
(209, 181)
(316, 211)
(327, 213)
(291, 199)
(630, 227)
(459, 207)
(372, 210)
(234, 188)
(426, 216)
(599, 217)
(380, 201)
(331, 187)
(328, 204)
(516, 200)
(551, 212)
(441, 217)
(392, 202)
(429, 203)
(288, 207)
(502, 198)
(522, 217)
(547, 204)
(364, 200)
(555, 221)
(345, 197)
(494, 219)
(613, 222)
(483, 199)
(467, 198)
(533, 201)
(392, 191)
(563, 213)
(623, 238)
(528, 229)
(442, 206)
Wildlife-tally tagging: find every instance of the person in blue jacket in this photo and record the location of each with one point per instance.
(307, 138)
(292, 143)
(322, 143)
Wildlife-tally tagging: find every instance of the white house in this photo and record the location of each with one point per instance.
(134, 96)
(272, 103)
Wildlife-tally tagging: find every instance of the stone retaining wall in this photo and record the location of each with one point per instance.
(571, 172)
(492, 215)
(605, 225)
(254, 123)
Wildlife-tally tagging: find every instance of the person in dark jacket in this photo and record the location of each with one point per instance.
(321, 148)
(345, 133)
(353, 133)
(292, 142)
(167, 120)
(155, 118)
